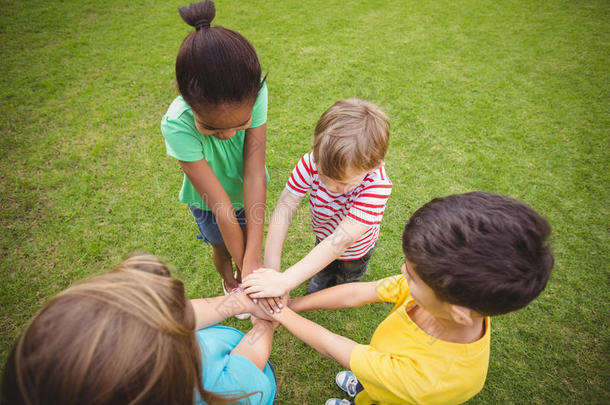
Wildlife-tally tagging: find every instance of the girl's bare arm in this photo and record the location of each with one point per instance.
(209, 188)
(255, 194)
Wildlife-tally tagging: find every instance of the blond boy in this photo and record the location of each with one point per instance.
(348, 192)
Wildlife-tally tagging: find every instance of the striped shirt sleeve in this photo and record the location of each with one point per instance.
(301, 178)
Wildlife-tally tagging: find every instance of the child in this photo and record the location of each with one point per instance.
(349, 189)
(131, 336)
(216, 129)
(468, 257)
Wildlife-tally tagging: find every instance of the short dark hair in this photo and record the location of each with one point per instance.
(215, 65)
(480, 250)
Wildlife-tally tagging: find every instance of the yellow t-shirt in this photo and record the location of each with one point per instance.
(405, 365)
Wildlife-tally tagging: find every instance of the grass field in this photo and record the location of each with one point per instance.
(511, 97)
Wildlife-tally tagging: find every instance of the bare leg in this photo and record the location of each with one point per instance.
(224, 265)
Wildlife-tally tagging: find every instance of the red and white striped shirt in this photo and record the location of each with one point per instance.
(365, 204)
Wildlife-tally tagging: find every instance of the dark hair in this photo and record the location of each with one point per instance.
(215, 65)
(480, 250)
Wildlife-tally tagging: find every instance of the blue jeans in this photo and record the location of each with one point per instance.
(208, 227)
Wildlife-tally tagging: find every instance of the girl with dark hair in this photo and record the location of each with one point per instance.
(216, 128)
(130, 336)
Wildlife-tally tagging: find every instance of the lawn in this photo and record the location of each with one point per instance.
(511, 97)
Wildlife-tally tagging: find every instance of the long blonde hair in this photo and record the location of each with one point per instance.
(124, 337)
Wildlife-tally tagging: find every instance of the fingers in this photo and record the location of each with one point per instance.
(255, 293)
(260, 294)
(258, 291)
(264, 303)
(249, 280)
(251, 288)
(272, 303)
(278, 303)
(259, 311)
(252, 280)
(266, 313)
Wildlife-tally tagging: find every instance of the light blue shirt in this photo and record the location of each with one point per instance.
(232, 374)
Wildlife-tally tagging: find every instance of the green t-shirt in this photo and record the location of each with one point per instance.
(226, 157)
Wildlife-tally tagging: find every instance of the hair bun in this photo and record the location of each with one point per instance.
(198, 15)
(202, 24)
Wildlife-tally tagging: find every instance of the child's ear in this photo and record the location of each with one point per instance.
(461, 315)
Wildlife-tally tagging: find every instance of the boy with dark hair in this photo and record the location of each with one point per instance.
(468, 257)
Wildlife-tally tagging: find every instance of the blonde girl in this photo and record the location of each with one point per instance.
(131, 337)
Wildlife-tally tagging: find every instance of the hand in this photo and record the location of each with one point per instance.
(264, 283)
(253, 308)
(271, 304)
(274, 304)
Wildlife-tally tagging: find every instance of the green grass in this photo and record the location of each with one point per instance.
(510, 97)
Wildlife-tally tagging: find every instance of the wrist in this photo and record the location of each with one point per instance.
(252, 259)
(266, 326)
(290, 279)
(283, 315)
(271, 263)
(293, 304)
(245, 303)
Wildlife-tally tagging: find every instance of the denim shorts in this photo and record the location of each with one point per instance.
(208, 227)
(340, 272)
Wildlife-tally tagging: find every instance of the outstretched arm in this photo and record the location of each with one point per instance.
(284, 210)
(210, 311)
(255, 192)
(340, 296)
(269, 283)
(337, 347)
(286, 206)
(256, 344)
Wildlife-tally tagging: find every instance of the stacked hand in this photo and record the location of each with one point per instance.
(268, 288)
(264, 283)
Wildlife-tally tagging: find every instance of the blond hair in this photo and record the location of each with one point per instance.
(352, 134)
(124, 337)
